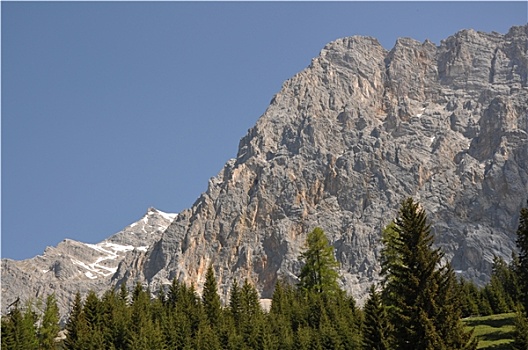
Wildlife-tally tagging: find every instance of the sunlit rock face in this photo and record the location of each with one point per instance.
(345, 141)
(74, 266)
(340, 146)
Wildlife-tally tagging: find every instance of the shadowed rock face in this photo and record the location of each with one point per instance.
(342, 144)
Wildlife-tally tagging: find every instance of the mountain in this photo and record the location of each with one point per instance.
(339, 147)
(74, 266)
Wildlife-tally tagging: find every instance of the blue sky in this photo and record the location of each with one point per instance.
(109, 108)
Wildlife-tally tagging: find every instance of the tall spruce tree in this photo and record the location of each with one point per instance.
(235, 306)
(211, 299)
(319, 272)
(251, 315)
(93, 314)
(420, 289)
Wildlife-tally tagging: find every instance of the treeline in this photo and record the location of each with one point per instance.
(418, 305)
(502, 294)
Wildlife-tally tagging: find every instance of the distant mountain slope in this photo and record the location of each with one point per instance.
(340, 146)
(74, 266)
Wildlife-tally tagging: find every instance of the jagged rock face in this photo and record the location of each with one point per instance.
(339, 147)
(345, 141)
(74, 266)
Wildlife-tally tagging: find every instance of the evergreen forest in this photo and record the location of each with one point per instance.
(418, 305)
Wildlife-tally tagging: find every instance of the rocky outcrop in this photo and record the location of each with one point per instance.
(345, 141)
(340, 146)
(74, 266)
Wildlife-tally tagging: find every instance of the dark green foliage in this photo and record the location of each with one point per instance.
(469, 298)
(93, 314)
(314, 320)
(211, 299)
(76, 328)
(419, 307)
(522, 267)
(49, 327)
(420, 291)
(319, 272)
(502, 292)
(144, 332)
(235, 306)
(115, 318)
(520, 332)
(251, 315)
(376, 326)
(18, 329)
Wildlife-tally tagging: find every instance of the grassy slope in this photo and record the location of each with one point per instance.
(493, 332)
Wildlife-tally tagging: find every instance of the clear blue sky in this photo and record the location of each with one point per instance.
(109, 108)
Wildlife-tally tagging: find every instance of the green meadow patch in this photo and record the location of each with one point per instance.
(493, 332)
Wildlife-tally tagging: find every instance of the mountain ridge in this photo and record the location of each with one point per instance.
(73, 266)
(342, 144)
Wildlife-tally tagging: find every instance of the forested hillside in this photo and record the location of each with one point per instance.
(418, 305)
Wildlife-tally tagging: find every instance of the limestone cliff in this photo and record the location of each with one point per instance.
(340, 146)
(345, 141)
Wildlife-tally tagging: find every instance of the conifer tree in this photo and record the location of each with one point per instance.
(144, 333)
(19, 329)
(520, 332)
(115, 319)
(304, 339)
(173, 293)
(521, 324)
(319, 272)
(8, 333)
(93, 314)
(420, 289)
(376, 327)
(522, 245)
(207, 338)
(76, 327)
(469, 294)
(211, 299)
(251, 314)
(49, 327)
(123, 293)
(235, 307)
(280, 315)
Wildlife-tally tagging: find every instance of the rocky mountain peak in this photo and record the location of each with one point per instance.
(347, 139)
(340, 146)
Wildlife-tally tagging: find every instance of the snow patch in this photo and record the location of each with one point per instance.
(99, 248)
(166, 216)
(432, 139)
(81, 264)
(117, 247)
(90, 275)
(169, 216)
(143, 249)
